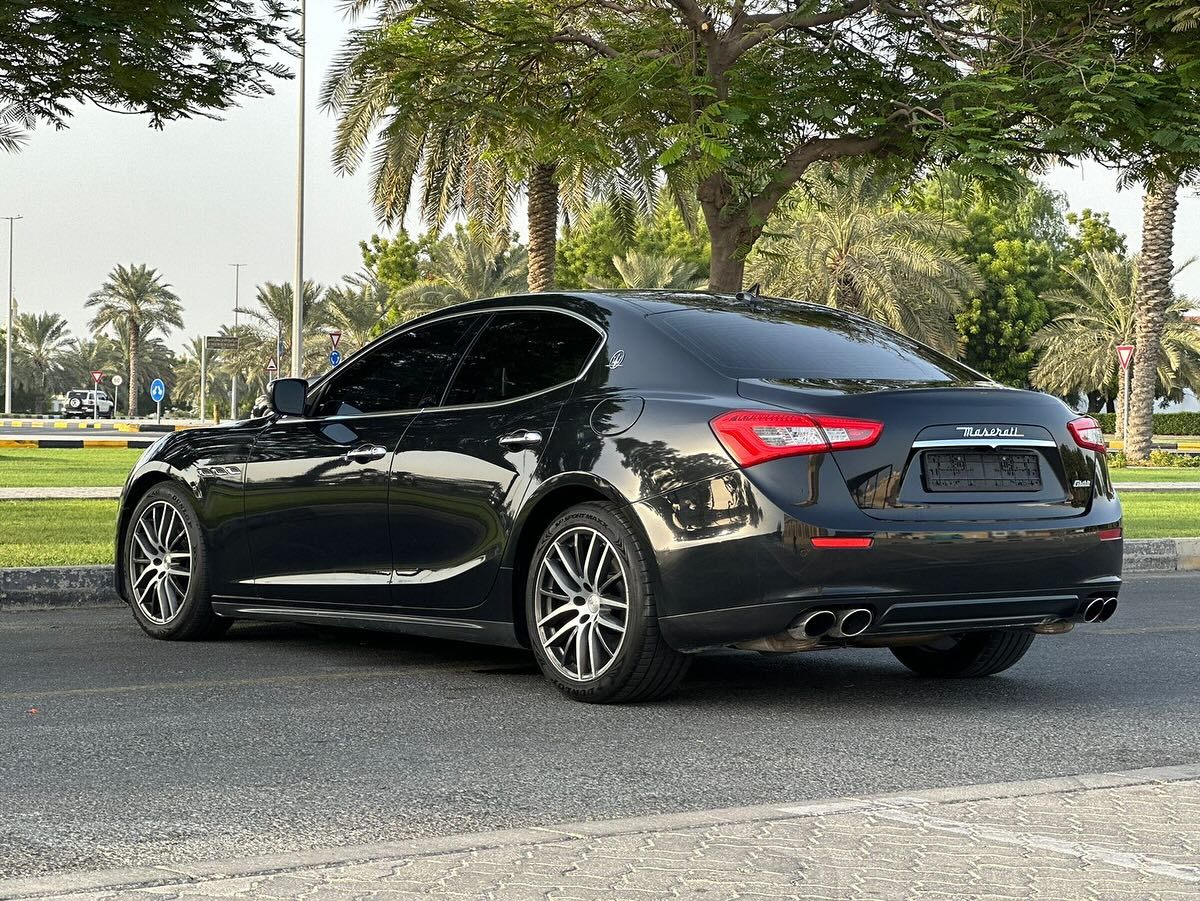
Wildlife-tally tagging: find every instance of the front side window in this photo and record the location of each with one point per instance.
(402, 373)
(520, 353)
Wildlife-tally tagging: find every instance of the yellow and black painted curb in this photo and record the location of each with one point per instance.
(77, 442)
(73, 424)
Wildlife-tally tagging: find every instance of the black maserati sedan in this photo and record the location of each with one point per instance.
(618, 480)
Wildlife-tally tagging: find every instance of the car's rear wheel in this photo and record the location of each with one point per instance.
(965, 656)
(591, 613)
(165, 559)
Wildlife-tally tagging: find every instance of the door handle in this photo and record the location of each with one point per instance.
(365, 452)
(521, 438)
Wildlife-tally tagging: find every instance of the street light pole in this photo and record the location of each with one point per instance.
(8, 334)
(298, 281)
(237, 274)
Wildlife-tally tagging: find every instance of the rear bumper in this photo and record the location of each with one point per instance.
(746, 569)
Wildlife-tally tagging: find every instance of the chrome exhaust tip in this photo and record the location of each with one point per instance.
(1092, 611)
(813, 624)
(852, 622)
(1107, 610)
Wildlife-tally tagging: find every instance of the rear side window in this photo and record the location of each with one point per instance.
(799, 342)
(401, 373)
(522, 352)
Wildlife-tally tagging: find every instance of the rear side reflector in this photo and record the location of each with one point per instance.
(1087, 433)
(1110, 534)
(755, 436)
(842, 542)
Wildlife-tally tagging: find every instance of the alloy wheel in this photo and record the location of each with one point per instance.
(160, 561)
(582, 603)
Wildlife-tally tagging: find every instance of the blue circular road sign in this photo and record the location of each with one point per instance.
(157, 390)
(335, 357)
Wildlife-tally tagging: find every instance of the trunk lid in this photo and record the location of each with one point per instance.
(950, 451)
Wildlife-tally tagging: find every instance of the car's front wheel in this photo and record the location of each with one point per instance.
(165, 557)
(968, 655)
(591, 613)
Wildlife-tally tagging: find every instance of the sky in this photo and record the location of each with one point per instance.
(201, 194)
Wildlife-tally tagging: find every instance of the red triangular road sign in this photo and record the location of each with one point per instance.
(335, 336)
(97, 376)
(271, 367)
(1125, 354)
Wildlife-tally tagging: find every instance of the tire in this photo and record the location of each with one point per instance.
(602, 667)
(972, 655)
(181, 609)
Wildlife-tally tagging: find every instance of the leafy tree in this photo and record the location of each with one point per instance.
(169, 59)
(41, 340)
(136, 302)
(751, 94)
(81, 357)
(1080, 345)
(842, 240)
(393, 262)
(1093, 233)
(586, 251)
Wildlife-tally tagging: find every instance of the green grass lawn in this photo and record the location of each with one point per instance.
(66, 467)
(63, 533)
(56, 533)
(1160, 474)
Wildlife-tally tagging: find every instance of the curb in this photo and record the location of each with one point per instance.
(128, 879)
(76, 442)
(90, 586)
(76, 424)
(57, 586)
(1147, 487)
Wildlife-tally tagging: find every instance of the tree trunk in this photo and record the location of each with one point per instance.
(730, 233)
(134, 338)
(1150, 309)
(543, 225)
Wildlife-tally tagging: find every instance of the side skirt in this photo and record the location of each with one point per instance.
(473, 630)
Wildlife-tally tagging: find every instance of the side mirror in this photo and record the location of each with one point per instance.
(288, 395)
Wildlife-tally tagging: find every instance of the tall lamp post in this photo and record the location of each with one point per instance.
(237, 276)
(298, 281)
(8, 334)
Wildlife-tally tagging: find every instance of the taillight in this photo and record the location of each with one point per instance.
(1087, 433)
(841, 542)
(755, 436)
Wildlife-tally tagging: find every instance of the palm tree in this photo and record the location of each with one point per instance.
(41, 341)
(473, 155)
(136, 298)
(81, 357)
(463, 267)
(650, 270)
(271, 324)
(187, 392)
(840, 240)
(1079, 347)
(358, 308)
(1153, 299)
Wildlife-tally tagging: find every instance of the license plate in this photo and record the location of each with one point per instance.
(981, 471)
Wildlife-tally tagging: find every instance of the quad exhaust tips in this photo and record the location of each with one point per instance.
(1099, 610)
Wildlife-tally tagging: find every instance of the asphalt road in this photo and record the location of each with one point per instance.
(115, 749)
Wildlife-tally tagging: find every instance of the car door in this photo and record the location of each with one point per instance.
(462, 470)
(316, 487)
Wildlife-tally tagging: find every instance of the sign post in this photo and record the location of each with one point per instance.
(97, 377)
(335, 355)
(211, 342)
(117, 382)
(1125, 356)
(158, 391)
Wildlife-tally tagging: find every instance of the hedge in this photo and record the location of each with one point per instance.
(1164, 423)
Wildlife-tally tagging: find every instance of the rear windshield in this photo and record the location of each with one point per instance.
(784, 341)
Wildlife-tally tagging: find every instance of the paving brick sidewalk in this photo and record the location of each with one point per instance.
(1126, 835)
